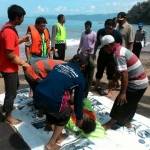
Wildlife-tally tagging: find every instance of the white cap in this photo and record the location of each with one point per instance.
(106, 40)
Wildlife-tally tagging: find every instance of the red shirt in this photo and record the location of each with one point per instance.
(9, 42)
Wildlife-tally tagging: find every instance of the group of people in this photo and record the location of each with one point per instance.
(59, 87)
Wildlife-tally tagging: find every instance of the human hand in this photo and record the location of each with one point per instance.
(121, 99)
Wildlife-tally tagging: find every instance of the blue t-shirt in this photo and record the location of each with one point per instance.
(63, 77)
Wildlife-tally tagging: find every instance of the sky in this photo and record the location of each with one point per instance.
(55, 7)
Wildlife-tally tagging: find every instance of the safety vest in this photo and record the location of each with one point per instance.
(36, 46)
(61, 34)
(41, 68)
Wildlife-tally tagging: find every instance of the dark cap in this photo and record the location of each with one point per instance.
(121, 15)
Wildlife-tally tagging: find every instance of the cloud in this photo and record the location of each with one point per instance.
(64, 9)
(61, 9)
(41, 9)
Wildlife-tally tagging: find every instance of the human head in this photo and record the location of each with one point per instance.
(61, 18)
(121, 18)
(88, 25)
(16, 14)
(109, 25)
(88, 125)
(40, 24)
(140, 26)
(107, 42)
(81, 60)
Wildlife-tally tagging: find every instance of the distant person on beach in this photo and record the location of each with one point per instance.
(140, 37)
(58, 39)
(49, 95)
(106, 60)
(9, 58)
(86, 49)
(134, 82)
(38, 46)
(126, 30)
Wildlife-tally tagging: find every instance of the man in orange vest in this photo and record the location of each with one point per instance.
(38, 47)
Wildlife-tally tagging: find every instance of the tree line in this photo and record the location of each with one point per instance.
(140, 13)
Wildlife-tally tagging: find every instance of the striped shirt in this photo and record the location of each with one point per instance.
(127, 61)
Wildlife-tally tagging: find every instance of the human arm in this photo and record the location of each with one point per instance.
(16, 59)
(121, 98)
(23, 39)
(53, 40)
(144, 38)
(131, 36)
(122, 69)
(97, 43)
(78, 102)
(80, 44)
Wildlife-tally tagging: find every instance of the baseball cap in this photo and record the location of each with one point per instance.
(106, 40)
(121, 15)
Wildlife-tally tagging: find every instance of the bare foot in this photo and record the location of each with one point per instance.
(109, 95)
(12, 121)
(109, 124)
(52, 147)
(61, 138)
(128, 125)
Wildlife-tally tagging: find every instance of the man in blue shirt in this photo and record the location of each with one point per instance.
(49, 95)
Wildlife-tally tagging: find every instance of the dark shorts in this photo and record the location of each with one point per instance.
(59, 118)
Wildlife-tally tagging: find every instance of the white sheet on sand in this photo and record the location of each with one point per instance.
(138, 137)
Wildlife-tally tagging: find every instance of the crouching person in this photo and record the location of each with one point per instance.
(49, 95)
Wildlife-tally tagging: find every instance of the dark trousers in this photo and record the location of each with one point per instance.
(137, 46)
(106, 61)
(124, 113)
(89, 74)
(61, 51)
(11, 81)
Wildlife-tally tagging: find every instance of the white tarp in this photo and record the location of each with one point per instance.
(138, 137)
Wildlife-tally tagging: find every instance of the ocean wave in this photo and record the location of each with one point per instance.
(72, 42)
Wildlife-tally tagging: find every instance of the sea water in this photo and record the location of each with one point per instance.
(74, 29)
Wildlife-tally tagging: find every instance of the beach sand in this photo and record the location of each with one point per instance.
(144, 105)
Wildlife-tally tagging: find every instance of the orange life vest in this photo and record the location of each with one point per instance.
(41, 68)
(36, 46)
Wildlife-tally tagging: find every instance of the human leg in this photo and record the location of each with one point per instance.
(11, 82)
(124, 114)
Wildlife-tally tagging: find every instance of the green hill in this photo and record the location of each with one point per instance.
(140, 13)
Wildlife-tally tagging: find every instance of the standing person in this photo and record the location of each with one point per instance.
(106, 60)
(133, 83)
(9, 58)
(58, 39)
(48, 95)
(39, 45)
(126, 30)
(86, 49)
(139, 37)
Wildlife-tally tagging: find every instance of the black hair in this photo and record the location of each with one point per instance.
(78, 58)
(88, 125)
(109, 22)
(60, 16)
(88, 23)
(15, 11)
(40, 20)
